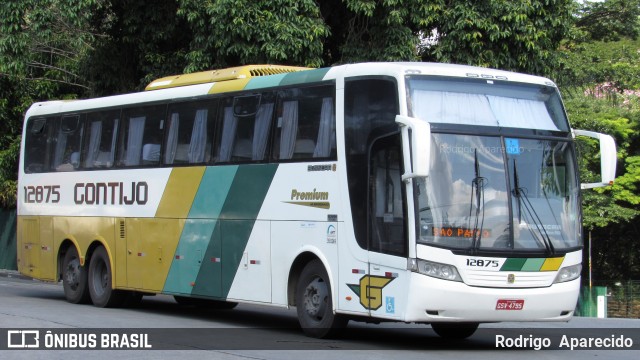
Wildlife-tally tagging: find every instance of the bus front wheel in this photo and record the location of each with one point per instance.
(74, 278)
(314, 303)
(100, 289)
(455, 330)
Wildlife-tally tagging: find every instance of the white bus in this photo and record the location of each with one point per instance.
(429, 193)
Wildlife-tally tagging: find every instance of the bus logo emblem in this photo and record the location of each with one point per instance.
(369, 290)
(511, 278)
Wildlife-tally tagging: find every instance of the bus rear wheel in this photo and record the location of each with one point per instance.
(100, 289)
(74, 278)
(455, 330)
(314, 303)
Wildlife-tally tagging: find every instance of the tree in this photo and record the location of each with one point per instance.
(601, 94)
(609, 20)
(511, 35)
(44, 41)
(234, 32)
(138, 42)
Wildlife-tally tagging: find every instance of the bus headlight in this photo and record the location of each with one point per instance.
(568, 273)
(434, 269)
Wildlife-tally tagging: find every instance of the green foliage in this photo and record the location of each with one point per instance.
(610, 20)
(610, 213)
(233, 32)
(137, 41)
(616, 64)
(616, 204)
(512, 35)
(45, 41)
(8, 174)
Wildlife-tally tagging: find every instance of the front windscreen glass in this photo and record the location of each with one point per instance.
(482, 102)
(544, 195)
(467, 203)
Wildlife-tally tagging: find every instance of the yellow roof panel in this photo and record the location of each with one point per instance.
(240, 72)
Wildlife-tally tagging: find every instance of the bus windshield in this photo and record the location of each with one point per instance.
(496, 193)
(484, 102)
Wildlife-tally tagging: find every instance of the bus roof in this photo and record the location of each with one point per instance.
(264, 76)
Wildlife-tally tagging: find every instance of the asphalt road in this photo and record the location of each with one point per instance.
(260, 332)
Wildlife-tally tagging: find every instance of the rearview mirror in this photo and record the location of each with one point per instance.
(416, 137)
(608, 158)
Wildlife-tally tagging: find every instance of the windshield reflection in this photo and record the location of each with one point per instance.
(464, 203)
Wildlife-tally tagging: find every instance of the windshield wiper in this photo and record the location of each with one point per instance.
(477, 186)
(530, 211)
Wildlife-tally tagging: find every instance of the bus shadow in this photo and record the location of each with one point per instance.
(246, 328)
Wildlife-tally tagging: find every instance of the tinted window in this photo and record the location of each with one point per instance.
(100, 139)
(305, 126)
(68, 139)
(141, 136)
(246, 123)
(189, 132)
(39, 134)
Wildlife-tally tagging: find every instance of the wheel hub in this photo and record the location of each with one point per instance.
(315, 298)
(73, 273)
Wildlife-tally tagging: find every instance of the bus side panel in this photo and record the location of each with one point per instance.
(28, 234)
(47, 258)
(35, 247)
(192, 253)
(251, 280)
(151, 245)
(231, 197)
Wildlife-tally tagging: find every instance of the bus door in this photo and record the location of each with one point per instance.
(388, 246)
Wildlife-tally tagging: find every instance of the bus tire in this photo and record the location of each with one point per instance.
(102, 294)
(314, 303)
(455, 330)
(74, 278)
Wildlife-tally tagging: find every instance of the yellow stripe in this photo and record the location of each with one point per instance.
(552, 264)
(180, 191)
(227, 86)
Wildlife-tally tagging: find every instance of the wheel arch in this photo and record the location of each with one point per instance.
(85, 257)
(301, 260)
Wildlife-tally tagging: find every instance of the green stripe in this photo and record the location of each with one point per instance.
(237, 217)
(514, 264)
(264, 81)
(307, 76)
(213, 192)
(533, 265)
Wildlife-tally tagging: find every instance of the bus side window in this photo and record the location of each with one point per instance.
(66, 156)
(189, 133)
(246, 124)
(306, 128)
(141, 136)
(100, 138)
(39, 137)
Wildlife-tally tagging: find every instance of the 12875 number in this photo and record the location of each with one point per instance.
(483, 263)
(42, 194)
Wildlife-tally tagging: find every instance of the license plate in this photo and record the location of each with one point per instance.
(504, 304)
